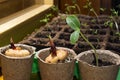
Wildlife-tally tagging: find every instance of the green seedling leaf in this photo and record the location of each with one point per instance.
(73, 7)
(117, 33)
(111, 24)
(48, 15)
(54, 8)
(95, 32)
(93, 20)
(102, 9)
(91, 9)
(73, 22)
(66, 5)
(74, 36)
(44, 20)
(85, 6)
(114, 12)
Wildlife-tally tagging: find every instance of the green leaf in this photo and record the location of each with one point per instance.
(85, 6)
(102, 9)
(73, 22)
(44, 20)
(111, 24)
(91, 9)
(74, 36)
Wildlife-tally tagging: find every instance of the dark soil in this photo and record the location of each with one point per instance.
(98, 34)
(61, 34)
(102, 63)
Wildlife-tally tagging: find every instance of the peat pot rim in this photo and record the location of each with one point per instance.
(72, 51)
(31, 49)
(108, 52)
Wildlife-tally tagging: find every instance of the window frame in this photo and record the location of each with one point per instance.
(17, 18)
(2, 1)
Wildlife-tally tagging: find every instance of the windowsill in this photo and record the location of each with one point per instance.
(1, 1)
(13, 20)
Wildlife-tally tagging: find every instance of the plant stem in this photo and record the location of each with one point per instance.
(95, 53)
(53, 47)
(78, 8)
(116, 24)
(96, 15)
(12, 46)
(117, 27)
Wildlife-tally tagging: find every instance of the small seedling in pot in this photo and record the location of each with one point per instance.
(93, 21)
(12, 46)
(102, 10)
(85, 25)
(118, 35)
(72, 8)
(46, 19)
(94, 31)
(91, 9)
(98, 41)
(69, 9)
(112, 20)
(74, 23)
(56, 55)
(88, 6)
(114, 14)
(55, 9)
(109, 23)
(16, 51)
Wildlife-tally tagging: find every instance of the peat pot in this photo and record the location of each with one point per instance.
(58, 71)
(91, 72)
(17, 68)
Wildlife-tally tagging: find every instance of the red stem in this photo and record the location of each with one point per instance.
(53, 47)
(12, 46)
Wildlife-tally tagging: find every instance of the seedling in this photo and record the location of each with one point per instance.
(72, 8)
(102, 9)
(75, 24)
(56, 55)
(46, 20)
(109, 23)
(115, 13)
(112, 20)
(91, 9)
(12, 46)
(55, 9)
(16, 51)
(47, 17)
(118, 34)
(94, 31)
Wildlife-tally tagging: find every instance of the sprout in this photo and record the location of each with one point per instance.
(74, 23)
(56, 55)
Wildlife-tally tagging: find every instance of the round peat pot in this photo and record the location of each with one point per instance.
(91, 72)
(58, 71)
(17, 68)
